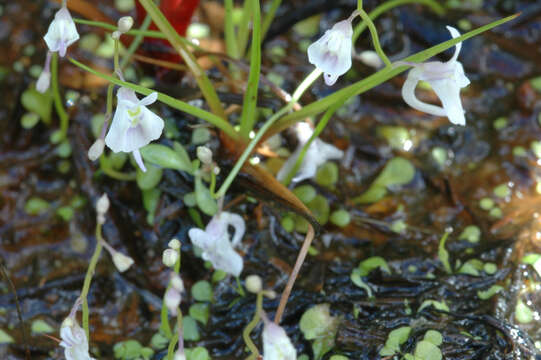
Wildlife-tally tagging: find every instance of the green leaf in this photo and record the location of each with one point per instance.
(523, 313)
(320, 209)
(438, 305)
(41, 327)
(327, 174)
(183, 155)
(434, 337)
(248, 115)
(443, 254)
(395, 338)
(305, 193)
(165, 157)
(358, 280)
(425, 350)
(203, 197)
(65, 212)
(372, 263)
(202, 291)
(471, 233)
(148, 179)
(5, 338)
(189, 326)
(200, 312)
(197, 353)
(36, 102)
(29, 120)
(487, 294)
(317, 324)
(36, 206)
(340, 218)
(398, 171)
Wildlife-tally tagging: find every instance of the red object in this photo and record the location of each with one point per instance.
(179, 13)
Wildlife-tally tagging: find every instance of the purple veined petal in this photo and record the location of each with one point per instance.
(139, 160)
(408, 94)
(149, 99)
(449, 93)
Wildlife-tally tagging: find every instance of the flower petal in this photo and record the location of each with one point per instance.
(408, 94)
(449, 94)
(454, 33)
(115, 138)
(238, 224)
(140, 163)
(149, 99)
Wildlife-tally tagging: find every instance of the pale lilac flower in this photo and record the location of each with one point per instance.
(74, 340)
(276, 343)
(134, 126)
(318, 153)
(332, 52)
(62, 32)
(216, 245)
(446, 78)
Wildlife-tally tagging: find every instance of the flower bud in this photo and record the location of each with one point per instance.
(172, 300)
(174, 244)
(204, 154)
(253, 284)
(102, 206)
(179, 356)
(170, 257)
(116, 35)
(124, 24)
(44, 81)
(177, 283)
(96, 149)
(121, 261)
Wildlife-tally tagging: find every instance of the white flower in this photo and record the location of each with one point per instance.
(215, 243)
(318, 153)
(96, 149)
(74, 340)
(276, 343)
(169, 257)
(332, 52)
(134, 126)
(124, 24)
(62, 32)
(446, 78)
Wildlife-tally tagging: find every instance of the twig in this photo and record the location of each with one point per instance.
(291, 281)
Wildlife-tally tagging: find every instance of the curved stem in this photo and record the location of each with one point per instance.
(88, 278)
(375, 37)
(251, 325)
(386, 6)
(291, 281)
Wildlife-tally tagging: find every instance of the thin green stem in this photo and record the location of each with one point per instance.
(116, 56)
(240, 289)
(88, 278)
(142, 31)
(166, 99)
(174, 38)
(375, 37)
(305, 84)
(386, 6)
(135, 43)
(248, 116)
(269, 17)
(58, 104)
(250, 327)
(244, 27)
(359, 4)
(171, 347)
(231, 44)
